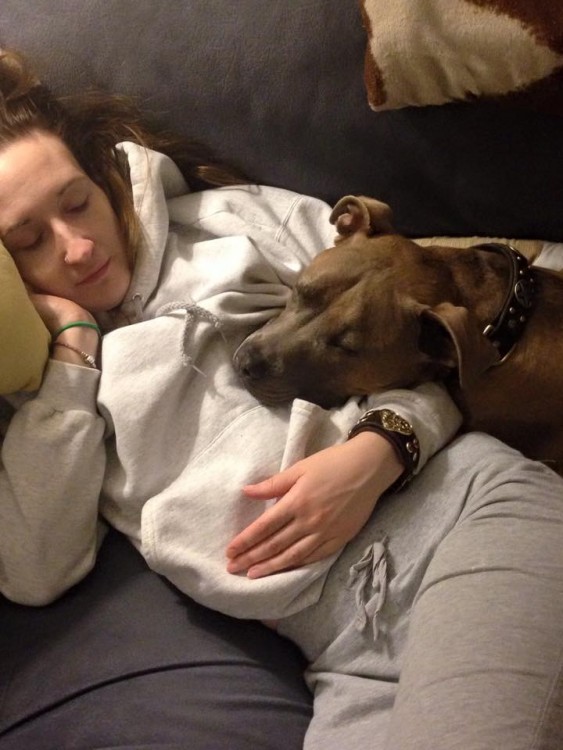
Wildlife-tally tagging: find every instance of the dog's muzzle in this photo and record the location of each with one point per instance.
(260, 374)
(250, 364)
(270, 380)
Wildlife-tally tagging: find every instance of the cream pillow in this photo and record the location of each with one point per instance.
(530, 249)
(24, 339)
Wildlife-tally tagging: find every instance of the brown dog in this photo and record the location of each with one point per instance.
(378, 311)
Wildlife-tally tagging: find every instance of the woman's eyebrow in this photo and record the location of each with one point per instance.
(70, 183)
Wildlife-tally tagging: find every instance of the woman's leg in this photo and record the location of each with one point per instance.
(441, 626)
(483, 665)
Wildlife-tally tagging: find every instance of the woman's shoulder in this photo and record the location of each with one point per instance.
(264, 207)
(270, 203)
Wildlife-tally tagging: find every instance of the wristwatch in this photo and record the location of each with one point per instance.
(399, 433)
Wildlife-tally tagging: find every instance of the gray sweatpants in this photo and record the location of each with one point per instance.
(440, 626)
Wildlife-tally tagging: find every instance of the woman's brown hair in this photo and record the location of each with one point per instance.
(90, 125)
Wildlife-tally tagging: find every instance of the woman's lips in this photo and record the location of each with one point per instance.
(96, 275)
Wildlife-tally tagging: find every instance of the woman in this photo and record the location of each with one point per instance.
(168, 437)
(51, 197)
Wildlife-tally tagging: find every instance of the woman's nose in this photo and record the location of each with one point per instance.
(73, 246)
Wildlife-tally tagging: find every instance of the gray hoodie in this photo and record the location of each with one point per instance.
(167, 434)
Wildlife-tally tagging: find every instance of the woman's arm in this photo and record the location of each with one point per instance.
(325, 499)
(51, 470)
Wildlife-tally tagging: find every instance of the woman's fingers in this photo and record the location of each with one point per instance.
(271, 521)
(273, 486)
(303, 552)
(263, 538)
(278, 542)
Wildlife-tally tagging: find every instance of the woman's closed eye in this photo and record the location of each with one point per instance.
(25, 239)
(78, 207)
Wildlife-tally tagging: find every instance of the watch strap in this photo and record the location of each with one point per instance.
(399, 432)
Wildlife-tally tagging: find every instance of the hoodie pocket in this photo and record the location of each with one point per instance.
(186, 528)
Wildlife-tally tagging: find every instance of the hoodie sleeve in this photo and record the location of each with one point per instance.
(430, 410)
(51, 471)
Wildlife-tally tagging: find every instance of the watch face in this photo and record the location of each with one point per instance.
(394, 423)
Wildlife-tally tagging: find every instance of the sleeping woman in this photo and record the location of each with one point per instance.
(149, 262)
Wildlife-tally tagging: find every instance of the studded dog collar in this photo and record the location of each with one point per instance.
(507, 327)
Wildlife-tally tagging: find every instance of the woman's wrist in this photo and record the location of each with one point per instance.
(85, 359)
(401, 439)
(88, 324)
(77, 344)
(382, 455)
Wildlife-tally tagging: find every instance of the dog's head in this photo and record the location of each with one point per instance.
(366, 315)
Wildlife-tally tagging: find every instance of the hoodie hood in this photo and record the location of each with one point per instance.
(155, 179)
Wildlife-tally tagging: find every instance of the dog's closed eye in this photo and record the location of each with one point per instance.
(346, 342)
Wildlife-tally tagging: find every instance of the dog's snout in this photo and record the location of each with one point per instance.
(250, 363)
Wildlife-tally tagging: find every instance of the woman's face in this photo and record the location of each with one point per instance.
(59, 226)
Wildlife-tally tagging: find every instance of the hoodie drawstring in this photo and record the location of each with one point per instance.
(193, 312)
(137, 300)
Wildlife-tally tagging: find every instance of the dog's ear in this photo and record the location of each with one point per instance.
(451, 336)
(353, 214)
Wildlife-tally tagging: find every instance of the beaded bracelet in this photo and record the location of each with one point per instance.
(88, 359)
(78, 324)
(399, 433)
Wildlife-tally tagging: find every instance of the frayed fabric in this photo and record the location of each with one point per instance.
(369, 578)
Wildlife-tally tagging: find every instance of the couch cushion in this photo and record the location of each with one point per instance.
(24, 340)
(125, 661)
(283, 94)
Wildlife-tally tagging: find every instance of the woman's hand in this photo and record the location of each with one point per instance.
(324, 501)
(58, 311)
(76, 343)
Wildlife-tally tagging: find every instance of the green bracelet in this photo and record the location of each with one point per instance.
(78, 324)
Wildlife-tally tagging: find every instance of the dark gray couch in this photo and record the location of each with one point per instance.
(123, 660)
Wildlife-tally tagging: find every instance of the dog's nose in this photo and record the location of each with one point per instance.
(250, 364)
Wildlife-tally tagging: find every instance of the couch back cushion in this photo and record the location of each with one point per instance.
(281, 91)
